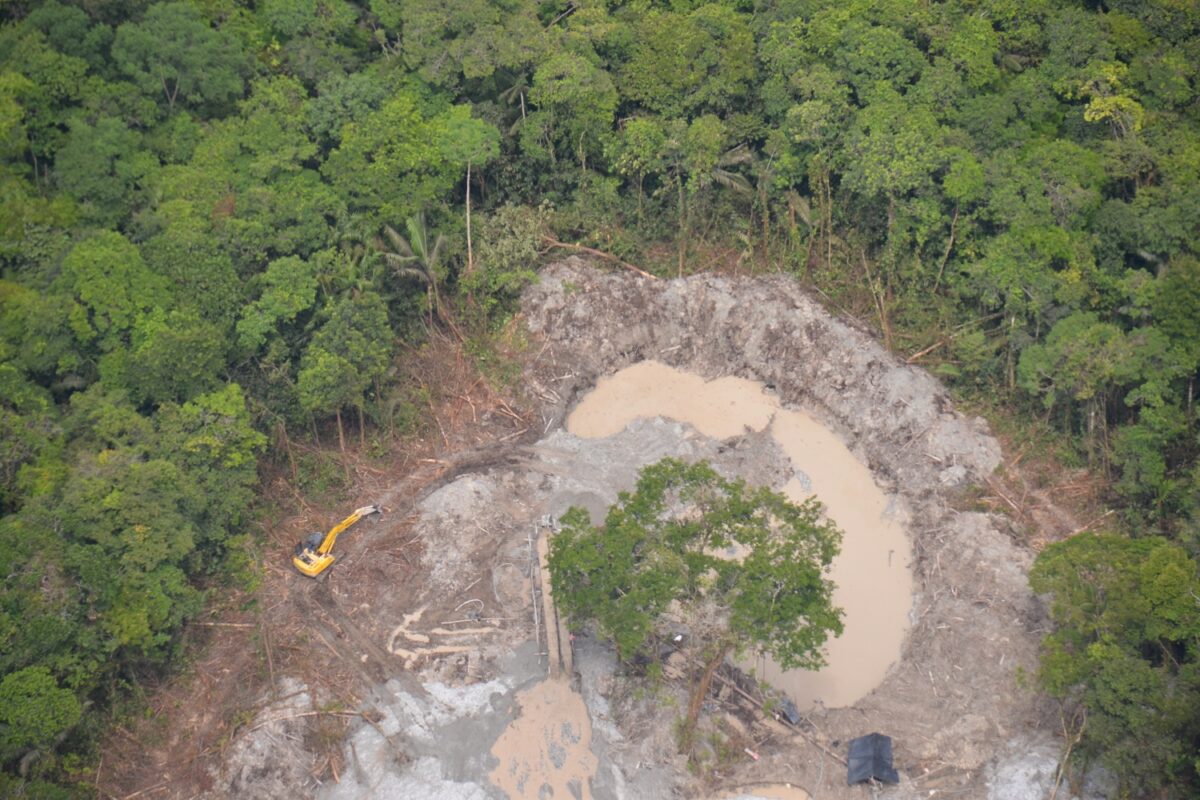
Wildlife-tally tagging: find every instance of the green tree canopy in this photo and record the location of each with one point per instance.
(746, 567)
(111, 286)
(174, 54)
(1127, 647)
(448, 43)
(289, 288)
(34, 710)
(576, 101)
(690, 63)
(101, 166)
(401, 159)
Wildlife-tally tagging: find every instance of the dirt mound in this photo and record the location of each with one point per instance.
(766, 329)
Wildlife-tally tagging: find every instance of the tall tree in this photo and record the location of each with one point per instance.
(399, 159)
(347, 355)
(110, 287)
(451, 43)
(665, 545)
(1127, 650)
(685, 64)
(102, 166)
(420, 256)
(576, 102)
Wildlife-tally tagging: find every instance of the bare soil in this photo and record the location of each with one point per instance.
(396, 675)
(954, 698)
(313, 639)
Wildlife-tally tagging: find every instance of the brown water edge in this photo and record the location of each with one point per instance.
(872, 573)
(546, 750)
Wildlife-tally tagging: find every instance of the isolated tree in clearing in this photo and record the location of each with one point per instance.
(741, 566)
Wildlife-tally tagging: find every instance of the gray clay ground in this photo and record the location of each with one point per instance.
(962, 725)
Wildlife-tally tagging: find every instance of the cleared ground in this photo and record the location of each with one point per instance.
(402, 674)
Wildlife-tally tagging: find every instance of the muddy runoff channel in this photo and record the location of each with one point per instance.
(758, 379)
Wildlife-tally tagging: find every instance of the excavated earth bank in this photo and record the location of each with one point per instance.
(462, 659)
(953, 699)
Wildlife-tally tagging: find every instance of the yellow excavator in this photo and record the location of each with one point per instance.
(313, 554)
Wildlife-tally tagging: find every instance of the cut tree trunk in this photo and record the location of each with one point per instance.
(701, 691)
(281, 432)
(470, 252)
(342, 444)
(682, 226)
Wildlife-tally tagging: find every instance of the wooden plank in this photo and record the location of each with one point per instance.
(558, 639)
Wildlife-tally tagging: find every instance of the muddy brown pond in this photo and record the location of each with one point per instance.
(872, 573)
(545, 752)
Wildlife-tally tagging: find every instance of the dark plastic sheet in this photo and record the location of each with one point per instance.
(871, 759)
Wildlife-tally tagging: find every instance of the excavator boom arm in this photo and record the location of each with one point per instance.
(331, 537)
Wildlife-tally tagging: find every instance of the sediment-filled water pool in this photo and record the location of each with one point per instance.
(872, 573)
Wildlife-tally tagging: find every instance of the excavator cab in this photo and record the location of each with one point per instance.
(310, 542)
(314, 553)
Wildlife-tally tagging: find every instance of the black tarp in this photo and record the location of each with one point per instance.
(871, 759)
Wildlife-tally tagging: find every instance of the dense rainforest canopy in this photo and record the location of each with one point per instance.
(220, 218)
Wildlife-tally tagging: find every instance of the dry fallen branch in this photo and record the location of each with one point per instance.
(920, 353)
(1103, 516)
(553, 243)
(306, 714)
(909, 443)
(995, 488)
(959, 331)
(757, 703)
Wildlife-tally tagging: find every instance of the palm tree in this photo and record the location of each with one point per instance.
(518, 87)
(416, 257)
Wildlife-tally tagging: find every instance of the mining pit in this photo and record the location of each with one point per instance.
(463, 697)
(872, 577)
